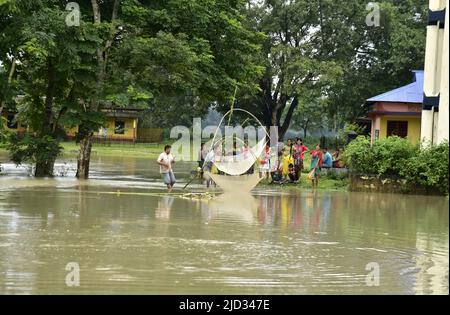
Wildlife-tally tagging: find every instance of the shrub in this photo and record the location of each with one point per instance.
(32, 149)
(3, 132)
(391, 154)
(428, 168)
(425, 167)
(360, 157)
(332, 174)
(385, 157)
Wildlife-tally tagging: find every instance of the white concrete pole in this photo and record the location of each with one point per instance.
(442, 128)
(431, 88)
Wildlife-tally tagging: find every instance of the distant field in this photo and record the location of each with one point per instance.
(133, 150)
(118, 149)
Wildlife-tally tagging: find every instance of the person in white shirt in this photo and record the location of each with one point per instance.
(165, 161)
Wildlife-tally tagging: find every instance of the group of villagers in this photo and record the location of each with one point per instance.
(282, 163)
(287, 164)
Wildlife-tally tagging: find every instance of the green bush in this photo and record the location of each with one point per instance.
(385, 157)
(360, 157)
(3, 132)
(391, 154)
(428, 168)
(425, 167)
(3, 136)
(32, 149)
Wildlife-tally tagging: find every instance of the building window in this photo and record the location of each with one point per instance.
(397, 128)
(119, 128)
(11, 122)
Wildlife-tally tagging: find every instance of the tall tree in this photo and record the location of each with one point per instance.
(9, 41)
(50, 58)
(326, 48)
(105, 20)
(187, 52)
(374, 58)
(293, 63)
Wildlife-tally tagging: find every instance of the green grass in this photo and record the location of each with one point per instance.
(324, 183)
(151, 150)
(137, 150)
(118, 149)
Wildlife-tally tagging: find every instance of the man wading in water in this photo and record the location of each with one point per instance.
(165, 161)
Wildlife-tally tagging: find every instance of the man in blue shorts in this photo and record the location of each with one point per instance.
(165, 161)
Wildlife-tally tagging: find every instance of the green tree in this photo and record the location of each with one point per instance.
(51, 69)
(189, 53)
(374, 59)
(310, 114)
(149, 54)
(325, 48)
(295, 69)
(9, 40)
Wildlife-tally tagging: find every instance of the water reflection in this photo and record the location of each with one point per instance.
(133, 240)
(242, 208)
(163, 209)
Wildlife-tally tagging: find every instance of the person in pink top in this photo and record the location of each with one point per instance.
(299, 150)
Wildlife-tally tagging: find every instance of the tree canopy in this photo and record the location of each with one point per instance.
(303, 64)
(321, 56)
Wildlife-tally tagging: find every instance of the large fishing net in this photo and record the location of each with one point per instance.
(234, 165)
(240, 163)
(236, 184)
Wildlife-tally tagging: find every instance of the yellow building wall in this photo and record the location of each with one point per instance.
(129, 132)
(20, 127)
(413, 127)
(71, 131)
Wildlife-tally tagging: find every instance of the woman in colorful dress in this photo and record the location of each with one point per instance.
(314, 171)
(299, 150)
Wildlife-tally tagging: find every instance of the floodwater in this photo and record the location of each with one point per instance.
(128, 237)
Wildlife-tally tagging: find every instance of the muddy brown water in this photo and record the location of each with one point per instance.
(128, 237)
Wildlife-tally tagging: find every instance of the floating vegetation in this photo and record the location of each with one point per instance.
(191, 196)
(198, 196)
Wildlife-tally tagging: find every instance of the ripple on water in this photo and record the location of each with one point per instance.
(288, 244)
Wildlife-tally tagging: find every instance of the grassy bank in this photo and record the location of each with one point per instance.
(151, 150)
(118, 149)
(325, 182)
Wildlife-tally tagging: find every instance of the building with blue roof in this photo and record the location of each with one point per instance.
(398, 112)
